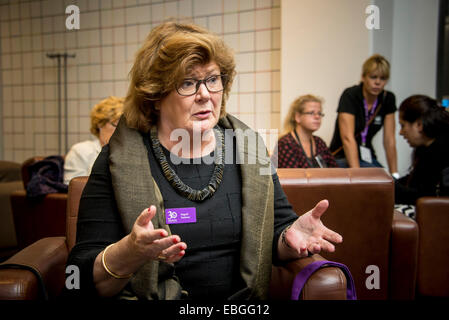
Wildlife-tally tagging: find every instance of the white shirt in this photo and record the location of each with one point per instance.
(80, 159)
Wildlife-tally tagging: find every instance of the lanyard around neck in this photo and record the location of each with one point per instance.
(368, 115)
(309, 160)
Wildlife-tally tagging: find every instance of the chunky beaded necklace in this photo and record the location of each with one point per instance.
(175, 181)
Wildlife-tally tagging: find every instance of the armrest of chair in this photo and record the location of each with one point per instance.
(403, 257)
(325, 284)
(432, 216)
(47, 256)
(35, 220)
(7, 232)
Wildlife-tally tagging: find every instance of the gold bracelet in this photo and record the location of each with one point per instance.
(284, 241)
(115, 275)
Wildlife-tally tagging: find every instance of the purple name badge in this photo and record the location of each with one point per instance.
(180, 215)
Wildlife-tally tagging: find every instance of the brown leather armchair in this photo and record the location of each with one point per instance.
(378, 243)
(10, 181)
(432, 216)
(48, 258)
(36, 220)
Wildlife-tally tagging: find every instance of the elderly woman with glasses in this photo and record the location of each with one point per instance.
(299, 148)
(104, 117)
(158, 219)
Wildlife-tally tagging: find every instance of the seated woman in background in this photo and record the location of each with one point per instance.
(103, 121)
(362, 111)
(299, 148)
(425, 126)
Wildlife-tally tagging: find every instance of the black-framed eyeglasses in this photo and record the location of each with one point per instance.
(313, 113)
(190, 86)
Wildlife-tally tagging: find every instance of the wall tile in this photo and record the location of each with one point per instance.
(247, 82)
(245, 62)
(231, 5)
(263, 3)
(263, 19)
(246, 5)
(246, 41)
(106, 18)
(4, 12)
(4, 29)
(28, 109)
(263, 81)
(247, 103)
(118, 16)
(17, 110)
(231, 22)
(119, 35)
(157, 12)
(25, 27)
(232, 104)
(207, 7)
(216, 24)
(111, 32)
(6, 45)
(171, 9)
(263, 102)
(15, 28)
(263, 61)
(263, 40)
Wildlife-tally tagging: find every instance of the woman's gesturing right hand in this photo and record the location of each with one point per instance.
(156, 244)
(124, 257)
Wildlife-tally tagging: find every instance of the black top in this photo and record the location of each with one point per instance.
(351, 101)
(197, 270)
(210, 268)
(426, 172)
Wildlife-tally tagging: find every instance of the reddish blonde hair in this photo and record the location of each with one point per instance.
(170, 51)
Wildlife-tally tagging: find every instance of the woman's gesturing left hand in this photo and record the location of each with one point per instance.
(308, 234)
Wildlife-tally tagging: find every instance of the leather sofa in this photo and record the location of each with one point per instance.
(35, 220)
(379, 245)
(47, 258)
(10, 181)
(432, 216)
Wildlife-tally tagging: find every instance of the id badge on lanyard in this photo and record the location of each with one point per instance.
(365, 153)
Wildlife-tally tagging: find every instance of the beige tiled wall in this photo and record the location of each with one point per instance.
(110, 33)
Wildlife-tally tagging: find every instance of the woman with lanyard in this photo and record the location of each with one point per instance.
(299, 148)
(362, 111)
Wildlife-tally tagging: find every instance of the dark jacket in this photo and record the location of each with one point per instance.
(426, 177)
(46, 176)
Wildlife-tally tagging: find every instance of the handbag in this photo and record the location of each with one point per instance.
(302, 277)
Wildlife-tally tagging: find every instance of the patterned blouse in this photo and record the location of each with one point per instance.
(291, 154)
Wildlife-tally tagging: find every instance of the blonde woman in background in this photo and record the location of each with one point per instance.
(299, 148)
(362, 111)
(103, 118)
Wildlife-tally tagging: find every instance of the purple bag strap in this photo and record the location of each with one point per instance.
(304, 275)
